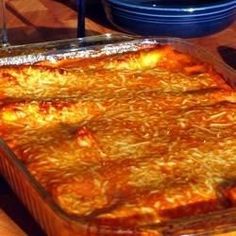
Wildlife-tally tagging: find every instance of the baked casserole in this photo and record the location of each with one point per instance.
(131, 139)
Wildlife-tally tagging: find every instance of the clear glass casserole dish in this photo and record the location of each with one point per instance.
(39, 202)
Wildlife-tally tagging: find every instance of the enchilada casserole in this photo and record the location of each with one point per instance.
(131, 139)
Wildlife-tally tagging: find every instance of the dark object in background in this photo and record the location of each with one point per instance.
(81, 18)
(228, 55)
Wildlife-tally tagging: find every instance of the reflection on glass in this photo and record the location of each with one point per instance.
(3, 29)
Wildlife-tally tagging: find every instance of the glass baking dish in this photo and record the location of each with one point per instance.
(46, 212)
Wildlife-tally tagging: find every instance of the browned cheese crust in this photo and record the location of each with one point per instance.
(130, 139)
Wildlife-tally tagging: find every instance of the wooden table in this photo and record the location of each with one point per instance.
(43, 20)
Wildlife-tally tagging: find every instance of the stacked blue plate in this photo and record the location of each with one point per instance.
(176, 18)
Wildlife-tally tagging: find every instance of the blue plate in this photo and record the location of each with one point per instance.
(188, 17)
(174, 6)
(147, 20)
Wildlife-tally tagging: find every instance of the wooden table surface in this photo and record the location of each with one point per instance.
(44, 20)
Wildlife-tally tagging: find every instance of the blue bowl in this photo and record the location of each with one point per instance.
(157, 22)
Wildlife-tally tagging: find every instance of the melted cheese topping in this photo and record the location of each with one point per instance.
(130, 139)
